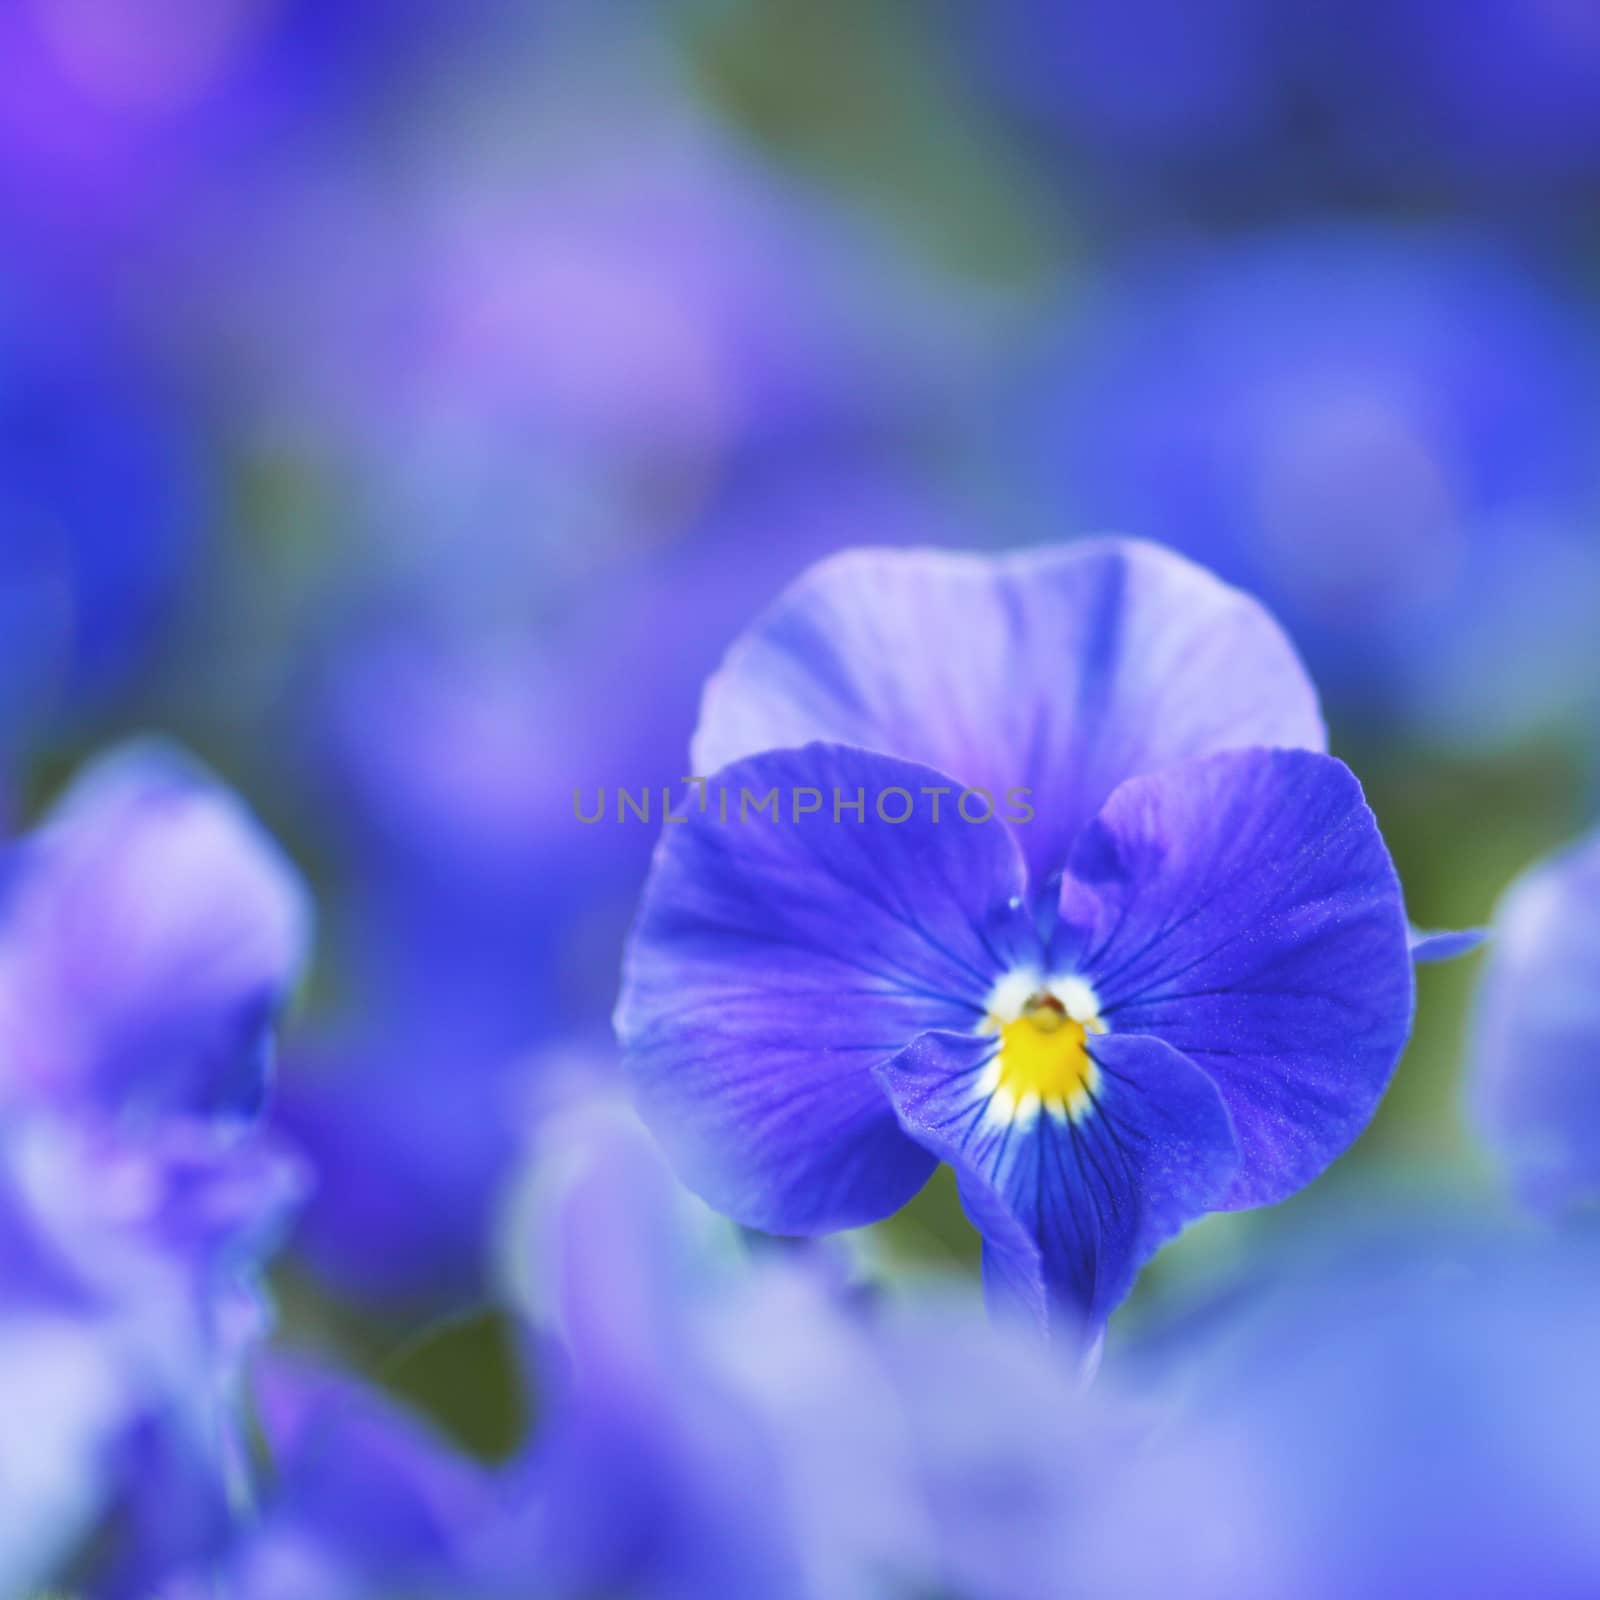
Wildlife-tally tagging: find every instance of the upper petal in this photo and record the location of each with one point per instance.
(1244, 908)
(1062, 671)
(1535, 1080)
(148, 935)
(776, 962)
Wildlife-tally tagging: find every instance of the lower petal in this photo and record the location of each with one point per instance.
(1070, 1205)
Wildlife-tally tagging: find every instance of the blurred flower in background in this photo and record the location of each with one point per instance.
(1381, 431)
(1535, 1083)
(148, 937)
(1358, 1424)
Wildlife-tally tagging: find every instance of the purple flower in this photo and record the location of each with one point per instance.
(1534, 1089)
(715, 1424)
(1393, 1415)
(148, 934)
(130, 1269)
(709, 1422)
(1176, 980)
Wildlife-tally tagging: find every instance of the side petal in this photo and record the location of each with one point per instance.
(1071, 1207)
(777, 961)
(1245, 909)
(1060, 671)
(149, 933)
(1534, 1081)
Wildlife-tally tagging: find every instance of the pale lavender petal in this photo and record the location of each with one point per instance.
(149, 933)
(1060, 671)
(1534, 1089)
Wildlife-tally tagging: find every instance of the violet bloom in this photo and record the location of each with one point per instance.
(1180, 984)
(1535, 1083)
(710, 1422)
(148, 934)
(1394, 1415)
(713, 1423)
(571, 362)
(148, 937)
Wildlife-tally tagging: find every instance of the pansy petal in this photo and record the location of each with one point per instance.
(149, 932)
(1070, 1206)
(776, 962)
(1061, 671)
(1244, 908)
(1535, 1082)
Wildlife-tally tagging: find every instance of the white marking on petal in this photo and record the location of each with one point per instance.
(1078, 999)
(1002, 1108)
(1010, 996)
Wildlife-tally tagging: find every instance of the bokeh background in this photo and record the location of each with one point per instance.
(404, 404)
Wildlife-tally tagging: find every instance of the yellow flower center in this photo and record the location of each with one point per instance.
(1043, 1063)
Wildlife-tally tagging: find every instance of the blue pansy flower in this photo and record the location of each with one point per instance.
(1534, 1087)
(1177, 980)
